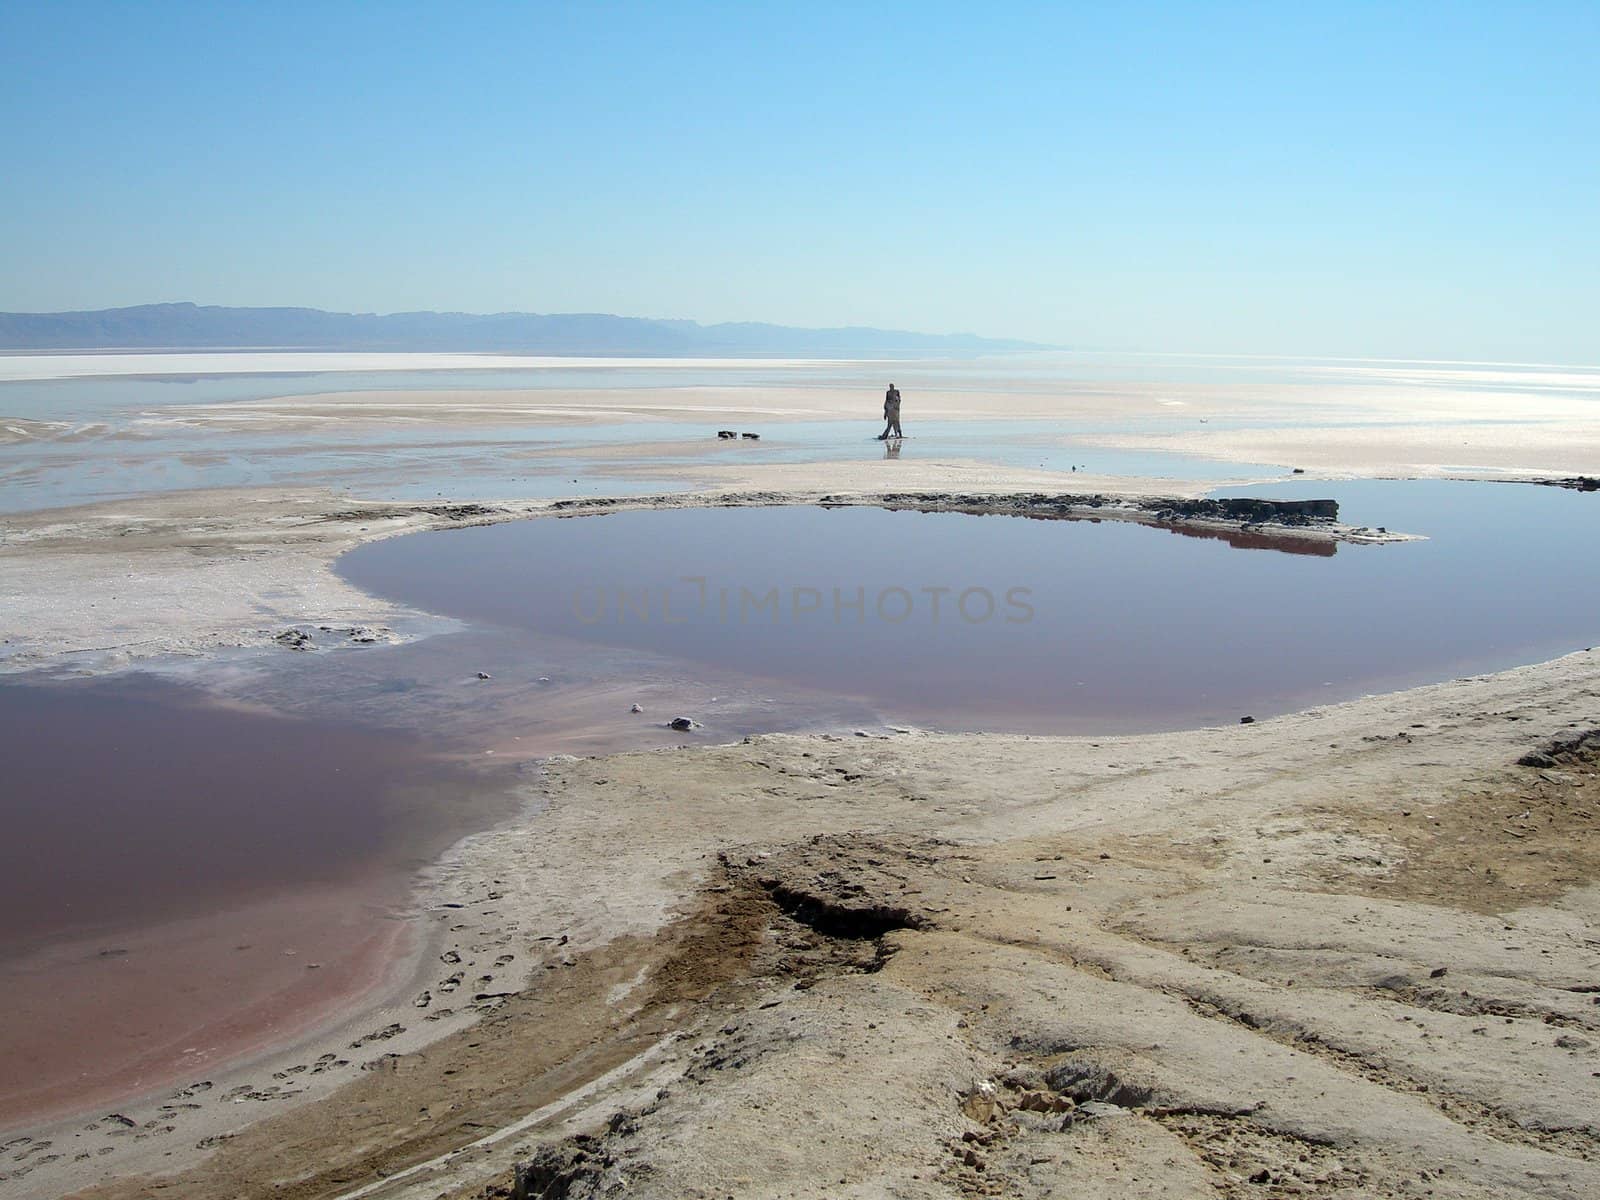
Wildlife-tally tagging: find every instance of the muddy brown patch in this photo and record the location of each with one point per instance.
(1521, 837)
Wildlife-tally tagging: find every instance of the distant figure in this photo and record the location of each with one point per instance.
(891, 414)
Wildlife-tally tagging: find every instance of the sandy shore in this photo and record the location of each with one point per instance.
(1349, 951)
(1343, 947)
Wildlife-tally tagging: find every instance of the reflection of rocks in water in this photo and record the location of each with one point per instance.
(1242, 540)
(1258, 516)
(1578, 483)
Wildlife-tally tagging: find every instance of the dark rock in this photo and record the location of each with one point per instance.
(753, 437)
(563, 1170)
(1247, 720)
(681, 724)
(1251, 509)
(1090, 1078)
(483, 675)
(1581, 746)
(726, 434)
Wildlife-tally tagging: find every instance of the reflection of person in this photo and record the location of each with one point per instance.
(891, 414)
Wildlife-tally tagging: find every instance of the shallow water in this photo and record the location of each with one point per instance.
(506, 462)
(1068, 625)
(126, 436)
(182, 881)
(132, 800)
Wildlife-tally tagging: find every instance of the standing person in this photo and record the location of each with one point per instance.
(891, 414)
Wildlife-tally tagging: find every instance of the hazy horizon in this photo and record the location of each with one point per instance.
(1408, 183)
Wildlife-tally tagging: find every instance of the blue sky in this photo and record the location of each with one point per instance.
(1343, 179)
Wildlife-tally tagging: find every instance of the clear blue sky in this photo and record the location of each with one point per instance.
(1321, 178)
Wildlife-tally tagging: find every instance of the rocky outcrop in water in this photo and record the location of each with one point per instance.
(1248, 508)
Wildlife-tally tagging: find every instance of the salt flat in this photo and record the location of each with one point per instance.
(1348, 950)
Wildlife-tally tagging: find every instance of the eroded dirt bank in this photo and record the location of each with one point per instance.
(1348, 952)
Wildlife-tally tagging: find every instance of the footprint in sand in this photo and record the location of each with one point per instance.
(379, 1035)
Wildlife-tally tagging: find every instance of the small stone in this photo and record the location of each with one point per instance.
(483, 675)
(1247, 720)
(979, 1107)
(636, 709)
(681, 724)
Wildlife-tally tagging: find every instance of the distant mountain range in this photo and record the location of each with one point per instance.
(196, 327)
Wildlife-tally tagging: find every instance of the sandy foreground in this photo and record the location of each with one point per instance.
(1350, 951)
